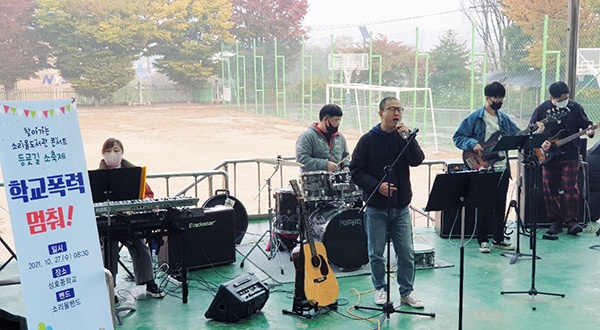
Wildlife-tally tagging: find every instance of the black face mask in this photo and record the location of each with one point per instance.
(496, 106)
(331, 129)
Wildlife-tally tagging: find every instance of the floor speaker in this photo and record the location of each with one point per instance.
(447, 222)
(207, 236)
(238, 299)
(529, 199)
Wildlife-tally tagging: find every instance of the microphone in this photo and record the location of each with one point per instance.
(402, 133)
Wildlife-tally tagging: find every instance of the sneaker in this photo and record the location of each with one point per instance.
(381, 297)
(503, 245)
(154, 291)
(574, 229)
(412, 301)
(555, 228)
(484, 247)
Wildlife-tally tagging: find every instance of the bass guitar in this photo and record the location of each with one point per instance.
(545, 156)
(320, 284)
(487, 158)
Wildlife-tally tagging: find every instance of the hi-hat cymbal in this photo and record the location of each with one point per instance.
(278, 161)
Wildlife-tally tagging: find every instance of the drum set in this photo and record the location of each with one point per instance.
(333, 204)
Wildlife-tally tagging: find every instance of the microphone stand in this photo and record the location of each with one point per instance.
(388, 307)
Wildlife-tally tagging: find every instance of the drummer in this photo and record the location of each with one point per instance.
(321, 147)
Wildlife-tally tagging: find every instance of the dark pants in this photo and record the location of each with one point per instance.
(495, 225)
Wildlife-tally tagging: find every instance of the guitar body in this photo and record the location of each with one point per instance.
(487, 158)
(545, 156)
(320, 284)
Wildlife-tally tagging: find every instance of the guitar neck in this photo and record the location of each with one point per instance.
(574, 136)
(300, 197)
(544, 121)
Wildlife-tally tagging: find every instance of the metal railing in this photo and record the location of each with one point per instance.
(243, 181)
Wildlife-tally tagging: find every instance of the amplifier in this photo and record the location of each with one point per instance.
(208, 238)
(238, 299)
(454, 165)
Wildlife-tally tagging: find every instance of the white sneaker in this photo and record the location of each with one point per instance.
(381, 297)
(412, 301)
(484, 247)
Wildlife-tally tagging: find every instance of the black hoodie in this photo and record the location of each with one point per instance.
(374, 151)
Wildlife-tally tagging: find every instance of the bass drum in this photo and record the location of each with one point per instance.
(240, 224)
(343, 233)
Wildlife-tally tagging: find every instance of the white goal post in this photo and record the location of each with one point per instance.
(352, 90)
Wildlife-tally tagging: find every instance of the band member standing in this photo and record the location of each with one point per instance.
(374, 151)
(321, 147)
(559, 174)
(474, 130)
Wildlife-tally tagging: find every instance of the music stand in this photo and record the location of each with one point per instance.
(117, 184)
(532, 141)
(459, 191)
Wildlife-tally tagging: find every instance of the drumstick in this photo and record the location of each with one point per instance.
(343, 160)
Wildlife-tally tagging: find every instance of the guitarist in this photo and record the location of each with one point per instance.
(375, 150)
(559, 174)
(476, 128)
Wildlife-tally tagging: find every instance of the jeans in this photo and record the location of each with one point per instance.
(376, 226)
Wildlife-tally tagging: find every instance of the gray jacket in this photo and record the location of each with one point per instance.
(313, 151)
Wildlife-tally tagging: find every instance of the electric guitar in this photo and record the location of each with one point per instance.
(545, 156)
(320, 284)
(487, 158)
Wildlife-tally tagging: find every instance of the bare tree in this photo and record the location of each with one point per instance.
(490, 22)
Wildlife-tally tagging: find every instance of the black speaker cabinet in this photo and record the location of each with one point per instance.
(238, 299)
(530, 199)
(208, 238)
(446, 226)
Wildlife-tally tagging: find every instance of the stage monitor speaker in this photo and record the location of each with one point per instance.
(446, 226)
(527, 201)
(238, 299)
(208, 238)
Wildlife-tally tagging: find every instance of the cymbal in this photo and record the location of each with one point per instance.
(279, 161)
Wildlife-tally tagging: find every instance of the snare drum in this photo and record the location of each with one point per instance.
(316, 186)
(343, 233)
(287, 219)
(424, 256)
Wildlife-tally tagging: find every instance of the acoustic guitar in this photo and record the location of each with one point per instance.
(545, 156)
(320, 284)
(487, 158)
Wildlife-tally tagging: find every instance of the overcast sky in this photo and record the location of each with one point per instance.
(397, 19)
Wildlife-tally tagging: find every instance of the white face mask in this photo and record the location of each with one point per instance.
(113, 159)
(562, 104)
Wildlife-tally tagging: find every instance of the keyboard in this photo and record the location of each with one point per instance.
(143, 205)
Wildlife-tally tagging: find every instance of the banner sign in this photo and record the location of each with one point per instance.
(52, 216)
